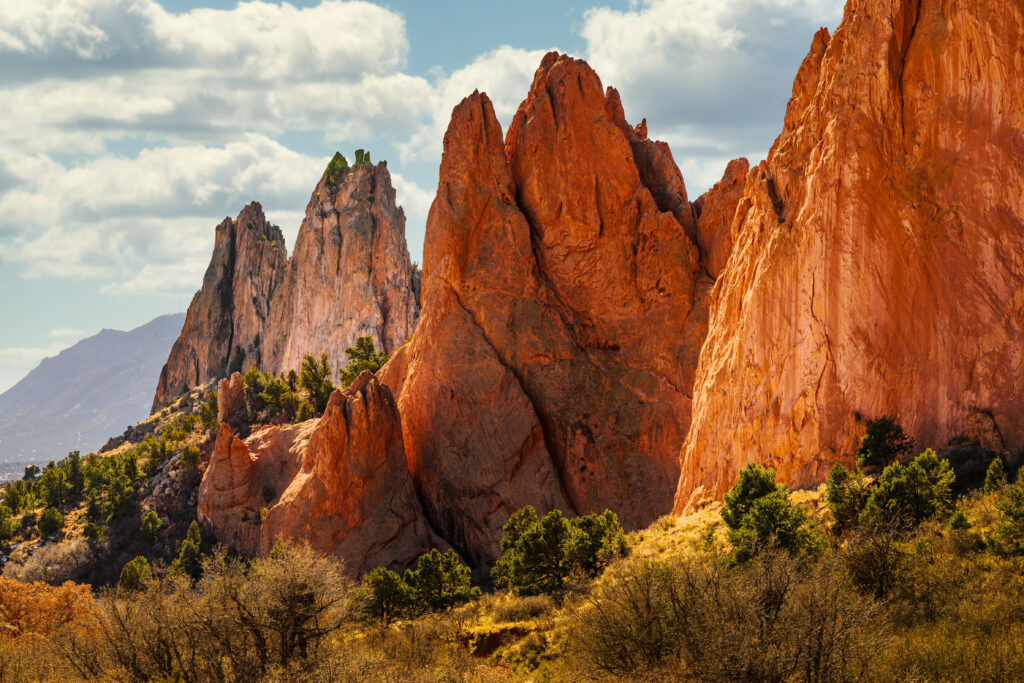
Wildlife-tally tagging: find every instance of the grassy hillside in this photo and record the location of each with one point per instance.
(938, 600)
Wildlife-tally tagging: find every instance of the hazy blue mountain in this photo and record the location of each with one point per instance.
(86, 393)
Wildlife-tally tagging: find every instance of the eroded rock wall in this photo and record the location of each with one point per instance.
(878, 262)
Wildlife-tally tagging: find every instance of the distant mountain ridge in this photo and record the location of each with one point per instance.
(78, 398)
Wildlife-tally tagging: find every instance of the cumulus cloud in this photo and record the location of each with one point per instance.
(87, 72)
(504, 74)
(711, 76)
(66, 333)
(198, 99)
(111, 216)
(414, 200)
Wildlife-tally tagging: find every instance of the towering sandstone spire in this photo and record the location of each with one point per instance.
(879, 257)
(349, 276)
(226, 321)
(563, 312)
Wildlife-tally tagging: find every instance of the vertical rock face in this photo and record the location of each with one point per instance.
(225, 323)
(877, 267)
(349, 276)
(340, 483)
(716, 230)
(563, 312)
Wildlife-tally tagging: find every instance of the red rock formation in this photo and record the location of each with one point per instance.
(877, 267)
(562, 316)
(716, 209)
(349, 276)
(231, 399)
(340, 482)
(224, 324)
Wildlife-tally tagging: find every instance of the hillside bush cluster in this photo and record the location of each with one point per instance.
(296, 396)
(438, 581)
(760, 516)
(544, 555)
(289, 397)
(241, 622)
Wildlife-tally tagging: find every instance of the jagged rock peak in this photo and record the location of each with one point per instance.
(339, 482)
(223, 329)
(877, 263)
(350, 273)
(563, 312)
(349, 276)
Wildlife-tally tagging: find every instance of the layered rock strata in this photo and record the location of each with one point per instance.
(877, 267)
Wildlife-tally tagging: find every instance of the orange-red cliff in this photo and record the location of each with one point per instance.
(877, 266)
(563, 313)
(340, 483)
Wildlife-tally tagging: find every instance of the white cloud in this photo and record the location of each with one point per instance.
(415, 201)
(204, 94)
(711, 76)
(84, 73)
(66, 333)
(112, 216)
(504, 74)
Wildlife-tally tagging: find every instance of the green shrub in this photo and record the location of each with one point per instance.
(191, 457)
(336, 169)
(94, 509)
(995, 475)
(846, 493)
(383, 596)
(754, 483)
(56, 489)
(884, 442)
(959, 521)
(50, 522)
(314, 379)
(362, 356)
(7, 525)
(190, 557)
(541, 555)
(440, 580)
(135, 574)
(600, 539)
(150, 525)
(911, 493)
(208, 412)
(93, 532)
(1010, 529)
(760, 515)
(253, 380)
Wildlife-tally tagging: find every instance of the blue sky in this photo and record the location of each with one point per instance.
(130, 128)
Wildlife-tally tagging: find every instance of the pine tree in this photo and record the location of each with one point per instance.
(190, 558)
(150, 525)
(135, 574)
(995, 475)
